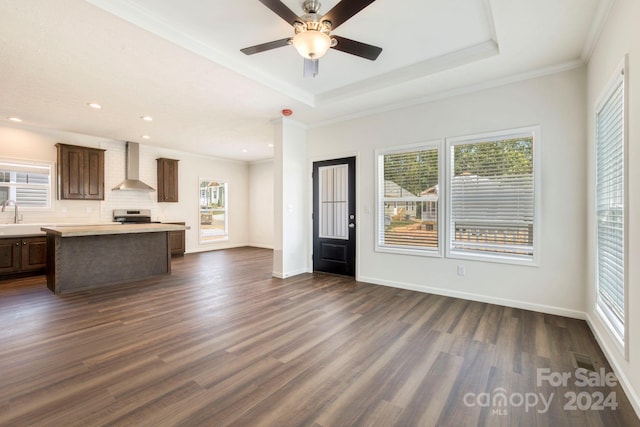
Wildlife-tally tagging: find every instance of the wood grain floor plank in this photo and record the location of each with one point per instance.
(414, 369)
(488, 325)
(433, 393)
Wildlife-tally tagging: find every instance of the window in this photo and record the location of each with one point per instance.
(492, 196)
(610, 206)
(333, 191)
(408, 200)
(213, 211)
(26, 183)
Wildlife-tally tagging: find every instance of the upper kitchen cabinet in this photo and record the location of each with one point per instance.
(167, 180)
(80, 172)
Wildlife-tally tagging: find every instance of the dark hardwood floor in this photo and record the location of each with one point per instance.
(220, 342)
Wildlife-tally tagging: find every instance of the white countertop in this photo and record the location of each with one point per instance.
(96, 230)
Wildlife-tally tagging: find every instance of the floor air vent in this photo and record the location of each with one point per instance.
(582, 361)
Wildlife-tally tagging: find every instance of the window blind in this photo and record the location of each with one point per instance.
(492, 197)
(610, 199)
(28, 184)
(408, 199)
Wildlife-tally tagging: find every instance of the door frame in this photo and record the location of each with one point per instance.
(312, 160)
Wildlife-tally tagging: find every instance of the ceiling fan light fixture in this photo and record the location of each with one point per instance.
(312, 44)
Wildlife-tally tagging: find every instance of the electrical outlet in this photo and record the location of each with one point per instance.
(462, 270)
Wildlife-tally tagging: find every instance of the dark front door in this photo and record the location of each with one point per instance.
(334, 216)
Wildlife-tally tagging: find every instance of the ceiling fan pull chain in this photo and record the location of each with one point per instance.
(311, 67)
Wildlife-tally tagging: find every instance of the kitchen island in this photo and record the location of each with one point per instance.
(91, 256)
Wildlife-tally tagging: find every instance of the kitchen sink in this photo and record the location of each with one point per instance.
(8, 230)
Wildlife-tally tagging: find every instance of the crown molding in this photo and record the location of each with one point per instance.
(597, 25)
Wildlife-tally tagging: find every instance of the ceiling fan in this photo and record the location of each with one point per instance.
(313, 37)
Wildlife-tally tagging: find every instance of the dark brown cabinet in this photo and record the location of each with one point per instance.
(10, 255)
(21, 255)
(80, 173)
(177, 242)
(34, 253)
(167, 180)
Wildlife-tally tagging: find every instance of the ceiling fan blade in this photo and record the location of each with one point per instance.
(311, 68)
(281, 10)
(265, 46)
(360, 49)
(344, 11)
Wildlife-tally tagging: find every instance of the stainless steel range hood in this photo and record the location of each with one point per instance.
(132, 181)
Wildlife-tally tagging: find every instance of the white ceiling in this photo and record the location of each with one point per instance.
(180, 62)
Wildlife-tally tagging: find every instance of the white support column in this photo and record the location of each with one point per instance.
(291, 211)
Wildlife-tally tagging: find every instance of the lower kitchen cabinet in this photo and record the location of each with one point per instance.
(10, 251)
(177, 240)
(34, 253)
(22, 255)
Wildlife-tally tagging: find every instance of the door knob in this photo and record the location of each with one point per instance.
(352, 225)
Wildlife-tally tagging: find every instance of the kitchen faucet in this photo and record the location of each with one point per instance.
(15, 205)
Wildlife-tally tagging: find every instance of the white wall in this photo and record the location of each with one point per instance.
(261, 204)
(39, 144)
(556, 103)
(620, 36)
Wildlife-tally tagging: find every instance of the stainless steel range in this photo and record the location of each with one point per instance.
(132, 216)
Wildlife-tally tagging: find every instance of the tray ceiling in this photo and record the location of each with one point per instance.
(180, 62)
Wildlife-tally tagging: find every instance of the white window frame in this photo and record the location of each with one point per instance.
(225, 236)
(21, 163)
(379, 177)
(537, 222)
(619, 332)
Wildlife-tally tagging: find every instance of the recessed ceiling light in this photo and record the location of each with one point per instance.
(244, 150)
(94, 105)
(146, 137)
(147, 118)
(270, 145)
(15, 119)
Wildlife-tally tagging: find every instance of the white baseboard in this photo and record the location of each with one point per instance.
(216, 248)
(260, 245)
(559, 311)
(281, 275)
